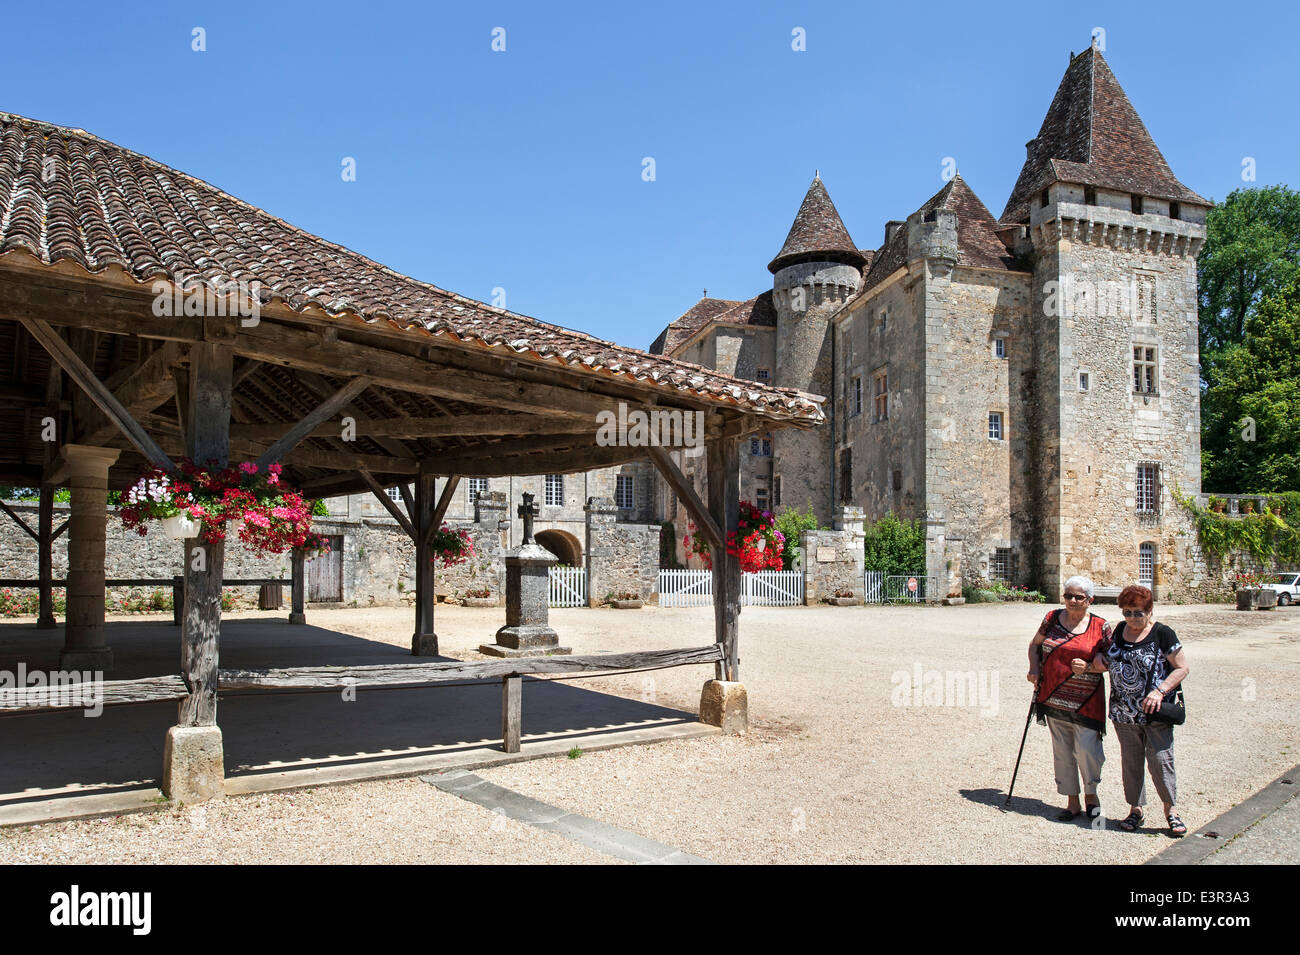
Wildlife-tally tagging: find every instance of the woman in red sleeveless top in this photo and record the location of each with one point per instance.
(1072, 704)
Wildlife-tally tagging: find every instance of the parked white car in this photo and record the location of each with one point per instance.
(1287, 586)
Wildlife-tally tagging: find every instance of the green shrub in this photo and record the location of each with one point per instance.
(895, 547)
(792, 522)
(668, 546)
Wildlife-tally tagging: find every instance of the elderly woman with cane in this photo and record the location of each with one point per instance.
(1147, 666)
(1070, 699)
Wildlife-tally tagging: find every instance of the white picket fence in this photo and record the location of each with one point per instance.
(767, 588)
(873, 591)
(568, 587)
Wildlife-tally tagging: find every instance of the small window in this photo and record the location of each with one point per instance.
(394, 494)
(1175, 211)
(475, 486)
(1145, 294)
(884, 320)
(760, 447)
(1144, 369)
(1002, 565)
(1089, 196)
(1135, 202)
(857, 395)
(880, 396)
(555, 490)
(767, 447)
(995, 425)
(1083, 381)
(760, 498)
(846, 476)
(776, 491)
(764, 374)
(1042, 199)
(624, 489)
(999, 348)
(1147, 487)
(898, 479)
(1147, 564)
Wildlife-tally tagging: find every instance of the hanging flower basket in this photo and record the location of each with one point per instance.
(245, 502)
(450, 547)
(755, 541)
(181, 526)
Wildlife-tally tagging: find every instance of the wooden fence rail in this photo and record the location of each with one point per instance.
(76, 696)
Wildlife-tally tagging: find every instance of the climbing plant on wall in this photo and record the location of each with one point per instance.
(1270, 536)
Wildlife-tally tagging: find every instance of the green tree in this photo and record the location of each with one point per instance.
(792, 522)
(1251, 411)
(1251, 252)
(895, 547)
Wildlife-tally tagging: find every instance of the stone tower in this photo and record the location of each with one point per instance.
(1116, 424)
(817, 270)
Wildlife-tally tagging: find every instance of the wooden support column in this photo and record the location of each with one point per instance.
(298, 587)
(45, 558)
(724, 505)
(194, 763)
(85, 471)
(512, 696)
(424, 641)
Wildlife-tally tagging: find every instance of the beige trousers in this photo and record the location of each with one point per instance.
(1076, 753)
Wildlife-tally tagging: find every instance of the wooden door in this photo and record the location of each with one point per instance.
(325, 574)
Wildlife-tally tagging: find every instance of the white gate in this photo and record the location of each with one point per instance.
(568, 587)
(686, 588)
(898, 588)
(772, 588)
(873, 590)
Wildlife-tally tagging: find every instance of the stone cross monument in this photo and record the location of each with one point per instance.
(527, 632)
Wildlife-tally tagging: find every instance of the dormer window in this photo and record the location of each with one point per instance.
(1042, 200)
(1136, 202)
(1089, 196)
(1174, 211)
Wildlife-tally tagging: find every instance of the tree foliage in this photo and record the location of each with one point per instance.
(895, 547)
(792, 522)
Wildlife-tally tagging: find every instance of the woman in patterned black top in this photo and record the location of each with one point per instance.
(1146, 664)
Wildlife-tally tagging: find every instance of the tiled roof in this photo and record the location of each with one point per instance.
(1093, 135)
(68, 195)
(758, 310)
(978, 245)
(817, 231)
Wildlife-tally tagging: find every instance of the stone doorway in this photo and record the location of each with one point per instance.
(566, 548)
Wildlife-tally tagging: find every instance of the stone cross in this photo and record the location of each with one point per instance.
(527, 511)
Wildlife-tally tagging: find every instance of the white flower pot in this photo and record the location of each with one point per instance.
(180, 526)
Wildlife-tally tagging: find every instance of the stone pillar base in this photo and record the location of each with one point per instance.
(424, 645)
(297, 618)
(526, 640)
(194, 765)
(99, 658)
(725, 704)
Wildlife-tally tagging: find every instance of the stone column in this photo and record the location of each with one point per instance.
(86, 470)
(45, 558)
(527, 632)
(936, 558)
(601, 514)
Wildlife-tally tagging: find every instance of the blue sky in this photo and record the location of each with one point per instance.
(522, 169)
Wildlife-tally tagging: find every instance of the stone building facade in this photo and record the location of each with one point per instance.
(1027, 383)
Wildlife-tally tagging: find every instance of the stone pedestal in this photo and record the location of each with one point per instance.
(85, 470)
(725, 704)
(527, 632)
(193, 764)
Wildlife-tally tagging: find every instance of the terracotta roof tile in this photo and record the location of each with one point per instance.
(1093, 135)
(99, 205)
(817, 232)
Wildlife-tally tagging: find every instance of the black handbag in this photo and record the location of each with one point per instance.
(1173, 712)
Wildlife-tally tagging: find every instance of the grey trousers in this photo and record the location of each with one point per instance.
(1076, 752)
(1152, 743)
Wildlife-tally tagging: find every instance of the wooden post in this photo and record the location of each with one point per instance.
(724, 505)
(512, 695)
(45, 558)
(178, 595)
(424, 641)
(208, 430)
(298, 587)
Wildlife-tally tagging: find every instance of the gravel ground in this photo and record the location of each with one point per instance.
(833, 770)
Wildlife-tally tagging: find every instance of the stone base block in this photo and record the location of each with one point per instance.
(424, 645)
(98, 659)
(497, 650)
(725, 704)
(528, 636)
(953, 601)
(297, 618)
(194, 764)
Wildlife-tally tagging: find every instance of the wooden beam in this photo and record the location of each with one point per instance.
(472, 425)
(512, 700)
(724, 504)
(60, 529)
(322, 389)
(62, 353)
(19, 521)
(546, 442)
(147, 386)
(408, 500)
(389, 504)
(565, 462)
(685, 492)
(320, 413)
(77, 696)
(424, 674)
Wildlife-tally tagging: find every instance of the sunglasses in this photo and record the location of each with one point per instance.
(1076, 596)
(1132, 614)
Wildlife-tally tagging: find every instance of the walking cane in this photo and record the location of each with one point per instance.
(1023, 737)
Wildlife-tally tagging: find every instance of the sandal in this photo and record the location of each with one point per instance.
(1132, 822)
(1176, 825)
(1065, 815)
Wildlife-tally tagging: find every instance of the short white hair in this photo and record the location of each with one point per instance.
(1083, 583)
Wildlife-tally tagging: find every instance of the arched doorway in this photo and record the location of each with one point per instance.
(563, 545)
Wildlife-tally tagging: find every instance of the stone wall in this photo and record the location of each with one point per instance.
(833, 559)
(621, 557)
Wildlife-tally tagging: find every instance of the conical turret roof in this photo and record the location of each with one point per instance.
(817, 234)
(1093, 135)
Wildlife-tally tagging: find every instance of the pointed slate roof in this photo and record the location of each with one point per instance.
(978, 244)
(818, 234)
(1093, 135)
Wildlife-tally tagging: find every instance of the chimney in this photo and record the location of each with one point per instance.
(891, 227)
